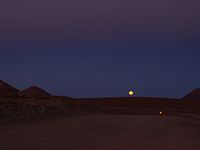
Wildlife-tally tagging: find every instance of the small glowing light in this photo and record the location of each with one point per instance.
(131, 93)
(160, 112)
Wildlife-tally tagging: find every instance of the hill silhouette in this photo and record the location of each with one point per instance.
(7, 90)
(194, 95)
(35, 91)
(35, 101)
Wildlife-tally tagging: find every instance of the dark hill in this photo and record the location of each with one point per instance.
(6, 89)
(34, 91)
(194, 95)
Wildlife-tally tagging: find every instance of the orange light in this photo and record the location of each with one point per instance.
(160, 112)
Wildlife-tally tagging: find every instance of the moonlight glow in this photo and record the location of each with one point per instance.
(131, 93)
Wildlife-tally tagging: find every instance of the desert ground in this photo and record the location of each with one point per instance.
(104, 132)
(33, 119)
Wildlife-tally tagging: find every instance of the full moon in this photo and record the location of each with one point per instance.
(131, 93)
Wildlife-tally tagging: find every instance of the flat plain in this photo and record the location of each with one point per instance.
(104, 132)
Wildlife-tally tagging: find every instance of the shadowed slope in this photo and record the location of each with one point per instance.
(6, 89)
(194, 95)
(34, 91)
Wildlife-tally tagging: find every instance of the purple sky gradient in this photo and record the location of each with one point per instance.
(97, 48)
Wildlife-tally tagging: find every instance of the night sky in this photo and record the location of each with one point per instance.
(100, 48)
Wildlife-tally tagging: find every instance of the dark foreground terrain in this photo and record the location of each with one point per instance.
(144, 105)
(62, 123)
(104, 132)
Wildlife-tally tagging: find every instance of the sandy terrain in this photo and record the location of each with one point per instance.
(103, 132)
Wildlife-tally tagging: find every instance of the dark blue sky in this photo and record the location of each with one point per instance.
(96, 48)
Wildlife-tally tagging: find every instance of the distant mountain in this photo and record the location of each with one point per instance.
(6, 89)
(194, 95)
(34, 91)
